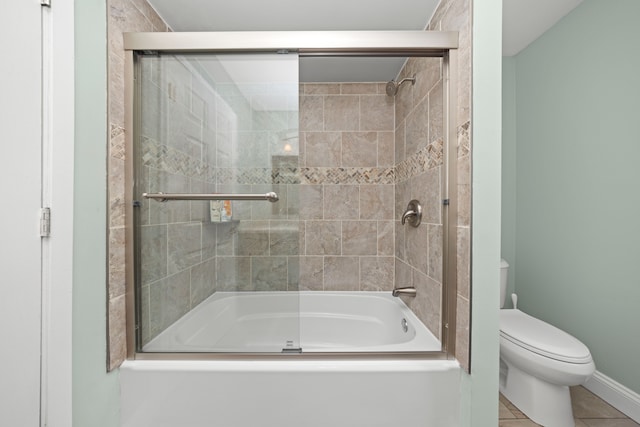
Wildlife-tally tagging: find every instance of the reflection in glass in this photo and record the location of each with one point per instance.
(207, 124)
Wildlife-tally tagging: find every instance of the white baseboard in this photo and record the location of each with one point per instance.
(615, 394)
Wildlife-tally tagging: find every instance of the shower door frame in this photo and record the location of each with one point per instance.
(437, 44)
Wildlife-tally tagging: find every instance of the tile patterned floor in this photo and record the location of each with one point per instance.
(588, 410)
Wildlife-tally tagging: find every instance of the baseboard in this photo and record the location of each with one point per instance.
(615, 394)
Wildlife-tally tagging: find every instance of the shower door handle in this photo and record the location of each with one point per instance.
(163, 197)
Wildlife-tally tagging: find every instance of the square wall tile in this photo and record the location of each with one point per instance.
(341, 202)
(323, 149)
(377, 273)
(184, 247)
(377, 113)
(233, 274)
(359, 238)
(342, 113)
(323, 238)
(311, 113)
(311, 273)
(269, 273)
(341, 273)
(359, 149)
(377, 201)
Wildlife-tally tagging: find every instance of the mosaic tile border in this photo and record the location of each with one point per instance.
(117, 142)
(174, 161)
(169, 159)
(339, 175)
(427, 158)
(257, 176)
(433, 155)
(464, 139)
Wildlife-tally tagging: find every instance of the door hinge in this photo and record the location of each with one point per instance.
(45, 222)
(45, 3)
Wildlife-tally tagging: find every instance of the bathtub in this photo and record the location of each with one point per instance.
(304, 321)
(313, 389)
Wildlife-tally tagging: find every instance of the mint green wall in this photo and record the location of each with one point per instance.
(95, 393)
(578, 197)
(508, 247)
(480, 389)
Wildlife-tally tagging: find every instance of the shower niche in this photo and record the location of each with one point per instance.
(266, 208)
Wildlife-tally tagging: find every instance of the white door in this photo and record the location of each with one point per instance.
(20, 193)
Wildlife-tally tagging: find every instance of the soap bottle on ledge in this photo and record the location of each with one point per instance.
(227, 213)
(220, 210)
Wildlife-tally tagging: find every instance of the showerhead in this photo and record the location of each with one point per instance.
(393, 86)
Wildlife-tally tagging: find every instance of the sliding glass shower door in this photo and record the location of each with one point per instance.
(216, 202)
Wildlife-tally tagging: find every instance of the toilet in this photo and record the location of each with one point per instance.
(538, 363)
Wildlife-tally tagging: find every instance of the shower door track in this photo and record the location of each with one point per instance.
(437, 44)
(305, 43)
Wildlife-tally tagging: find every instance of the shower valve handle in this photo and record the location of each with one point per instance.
(413, 214)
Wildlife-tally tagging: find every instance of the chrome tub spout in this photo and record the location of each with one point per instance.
(409, 291)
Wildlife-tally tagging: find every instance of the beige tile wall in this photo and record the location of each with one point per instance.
(348, 223)
(178, 256)
(455, 15)
(347, 192)
(199, 137)
(123, 16)
(419, 175)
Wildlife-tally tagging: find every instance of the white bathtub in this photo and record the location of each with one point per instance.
(294, 390)
(290, 393)
(311, 321)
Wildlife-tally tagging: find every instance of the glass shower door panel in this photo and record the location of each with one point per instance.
(217, 275)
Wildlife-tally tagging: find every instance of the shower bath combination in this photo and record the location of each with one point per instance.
(208, 144)
(204, 139)
(393, 86)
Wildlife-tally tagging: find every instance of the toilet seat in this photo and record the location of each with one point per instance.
(542, 338)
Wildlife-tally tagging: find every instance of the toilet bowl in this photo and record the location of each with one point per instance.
(538, 363)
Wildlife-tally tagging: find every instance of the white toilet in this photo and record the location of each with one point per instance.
(538, 363)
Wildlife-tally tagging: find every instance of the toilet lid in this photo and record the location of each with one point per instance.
(542, 338)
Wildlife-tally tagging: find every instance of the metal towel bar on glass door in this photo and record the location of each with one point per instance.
(163, 197)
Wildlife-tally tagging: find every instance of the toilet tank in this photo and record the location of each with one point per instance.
(504, 272)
